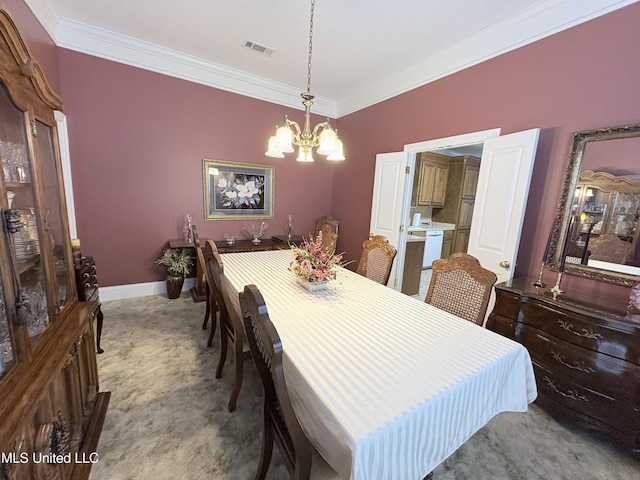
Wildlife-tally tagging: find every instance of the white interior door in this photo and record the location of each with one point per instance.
(390, 186)
(501, 198)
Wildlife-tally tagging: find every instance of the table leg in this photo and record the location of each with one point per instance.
(99, 318)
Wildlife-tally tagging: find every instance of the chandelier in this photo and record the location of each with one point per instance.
(323, 137)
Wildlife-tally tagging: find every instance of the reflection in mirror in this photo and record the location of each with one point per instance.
(596, 228)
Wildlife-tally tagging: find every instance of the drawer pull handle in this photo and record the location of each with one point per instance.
(585, 333)
(576, 365)
(573, 395)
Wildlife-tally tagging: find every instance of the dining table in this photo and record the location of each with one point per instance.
(384, 385)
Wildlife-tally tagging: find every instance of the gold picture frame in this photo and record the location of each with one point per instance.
(237, 191)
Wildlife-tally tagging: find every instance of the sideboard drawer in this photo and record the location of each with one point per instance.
(616, 413)
(593, 371)
(601, 336)
(503, 325)
(508, 304)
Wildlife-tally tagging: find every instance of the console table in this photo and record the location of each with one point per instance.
(273, 243)
(585, 351)
(249, 246)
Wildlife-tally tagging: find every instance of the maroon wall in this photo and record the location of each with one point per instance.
(138, 138)
(586, 77)
(137, 142)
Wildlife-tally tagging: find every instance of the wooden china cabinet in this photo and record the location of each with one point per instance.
(51, 410)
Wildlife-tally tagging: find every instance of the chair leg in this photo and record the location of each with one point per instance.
(224, 340)
(207, 312)
(212, 333)
(267, 447)
(237, 383)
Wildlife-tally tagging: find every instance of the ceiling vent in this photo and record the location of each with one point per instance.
(256, 47)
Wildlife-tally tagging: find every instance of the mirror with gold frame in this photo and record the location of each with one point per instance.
(595, 233)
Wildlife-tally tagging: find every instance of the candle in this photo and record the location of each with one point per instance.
(565, 248)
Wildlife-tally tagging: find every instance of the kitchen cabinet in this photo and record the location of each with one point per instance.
(50, 403)
(447, 244)
(585, 354)
(412, 272)
(433, 174)
(460, 199)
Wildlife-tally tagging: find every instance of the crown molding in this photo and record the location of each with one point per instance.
(537, 22)
(105, 44)
(528, 26)
(45, 14)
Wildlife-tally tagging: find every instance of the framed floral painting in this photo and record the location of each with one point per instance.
(235, 191)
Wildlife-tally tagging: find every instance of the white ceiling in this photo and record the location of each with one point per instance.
(363, 51)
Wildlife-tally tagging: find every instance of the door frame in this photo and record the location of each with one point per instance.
(411, 150)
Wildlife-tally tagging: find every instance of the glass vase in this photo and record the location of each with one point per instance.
(187, 230)
(288, 227)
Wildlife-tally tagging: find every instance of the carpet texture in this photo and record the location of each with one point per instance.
(168, 416)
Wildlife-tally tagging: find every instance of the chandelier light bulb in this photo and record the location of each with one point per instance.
(323, 137)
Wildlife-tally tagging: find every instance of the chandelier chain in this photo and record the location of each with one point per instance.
(313, 4)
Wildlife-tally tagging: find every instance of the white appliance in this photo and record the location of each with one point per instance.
(432, 247)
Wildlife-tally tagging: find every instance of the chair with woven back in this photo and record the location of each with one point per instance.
(280, 422)
(461, 286)
(609, 248)
(329, 228)
(376, 259)
(200, 272)
(230, 320)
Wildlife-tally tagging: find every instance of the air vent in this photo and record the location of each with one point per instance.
(256, 47)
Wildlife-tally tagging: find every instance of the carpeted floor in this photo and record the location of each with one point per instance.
(168, 416)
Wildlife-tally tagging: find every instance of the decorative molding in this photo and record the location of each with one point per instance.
(65, 162)
(535, 23)
(119, 48)
(539, 21)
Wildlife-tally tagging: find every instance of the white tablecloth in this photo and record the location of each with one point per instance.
(385, 386)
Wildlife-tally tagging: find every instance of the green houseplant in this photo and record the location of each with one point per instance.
(178, 263)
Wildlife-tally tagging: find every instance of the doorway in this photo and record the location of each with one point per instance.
(446, 225)
(498, 212)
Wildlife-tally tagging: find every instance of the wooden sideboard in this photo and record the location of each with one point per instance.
(87, 286)
(585, 351)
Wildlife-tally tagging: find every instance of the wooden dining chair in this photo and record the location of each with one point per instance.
(328, 226)
(609, 248)
(280, 422)
(461, 286)
(376, 259)
(202, 277)
(230, 320)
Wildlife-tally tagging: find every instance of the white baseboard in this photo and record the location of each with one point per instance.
(120, 292)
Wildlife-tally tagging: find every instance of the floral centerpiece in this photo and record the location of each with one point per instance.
(312, 266)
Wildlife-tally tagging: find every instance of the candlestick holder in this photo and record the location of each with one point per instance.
(556, 290)
(539, 283)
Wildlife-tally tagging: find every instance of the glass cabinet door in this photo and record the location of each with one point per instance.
(6, 350)
(53, 213)
(24, 283)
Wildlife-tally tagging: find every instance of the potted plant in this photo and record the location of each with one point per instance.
(178, 263)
